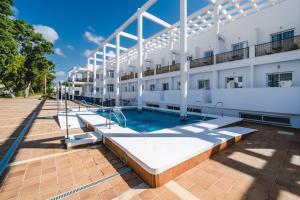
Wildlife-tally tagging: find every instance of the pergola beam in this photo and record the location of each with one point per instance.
(114, 46)
(145, 7)
(128, 35)
(156, 20)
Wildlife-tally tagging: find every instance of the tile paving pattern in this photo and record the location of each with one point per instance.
(266, 165)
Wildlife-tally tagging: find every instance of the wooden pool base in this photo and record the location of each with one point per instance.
(157, 180)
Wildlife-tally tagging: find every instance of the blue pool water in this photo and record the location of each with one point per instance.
(149, 120)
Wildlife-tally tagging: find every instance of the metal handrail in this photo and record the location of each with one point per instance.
(114, 112)
(122, 114)
(84, 103)
(221, 108)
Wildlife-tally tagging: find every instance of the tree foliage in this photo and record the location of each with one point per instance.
(24, 64)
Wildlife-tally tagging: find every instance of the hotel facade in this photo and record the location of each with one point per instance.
(236, 58)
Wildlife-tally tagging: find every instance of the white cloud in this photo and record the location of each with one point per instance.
(70, 47)
(111, 53)
(58, 52)
(93, 38)
(60, 74)
(16, 11)
(48, 33)
(87, 52)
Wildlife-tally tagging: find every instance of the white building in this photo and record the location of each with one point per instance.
(243, 59)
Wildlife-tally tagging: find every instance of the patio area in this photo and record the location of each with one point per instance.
(265, 165)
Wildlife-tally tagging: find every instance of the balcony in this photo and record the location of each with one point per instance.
(162, 70)
(128, 77)
(148, 72)
(238, 54)
(279, 46)
(175, 67)
(200, 62)
(80, 80)
(87, 80)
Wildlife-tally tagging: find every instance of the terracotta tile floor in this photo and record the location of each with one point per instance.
(266, 165)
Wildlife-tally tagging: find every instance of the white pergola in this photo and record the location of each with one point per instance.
(211, 17)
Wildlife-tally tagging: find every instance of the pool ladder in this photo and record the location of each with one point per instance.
(219, 105)
(84, 103)
(118, 114)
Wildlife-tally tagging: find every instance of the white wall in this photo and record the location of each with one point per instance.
(244, 72)
(261, 72)
(194, 78)
(274, 100)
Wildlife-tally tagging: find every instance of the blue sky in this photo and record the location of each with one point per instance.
(76, 27)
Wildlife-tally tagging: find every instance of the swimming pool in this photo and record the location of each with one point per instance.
(152, 120)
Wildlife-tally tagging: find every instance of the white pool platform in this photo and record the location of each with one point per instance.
(84, 138)
(73, 120)
(159, 151)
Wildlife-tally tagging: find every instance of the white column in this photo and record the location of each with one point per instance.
(215, 79)
(140, 61)
(73, 86)
(117, 70)
(171, 46)
(94, 73)
(216, 28)
(104, 74)
(183, 59)
(252, 76)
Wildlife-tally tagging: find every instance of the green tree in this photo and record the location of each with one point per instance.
(10, 59)
(23, 54)
(34, 48)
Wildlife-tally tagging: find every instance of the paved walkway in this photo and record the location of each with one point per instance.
(266, 165)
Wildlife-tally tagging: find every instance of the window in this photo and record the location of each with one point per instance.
(97, 76)
(173, 62)
(110, 73)
(209, 53)
(240, 45)
(204, 84)
(125, 89)
(97, 89)
(282, 40)
(152, 87)
(189, 58)
(132, 88)
(76, 93)
(165, 86)
(158, 65)
(280, 79)
(110, 87)
(178, 85)
(234, 82)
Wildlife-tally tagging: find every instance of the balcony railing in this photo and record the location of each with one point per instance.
(175, 67)
(162, 70)
(200, 62)
(148, 72)
(80, 80)
(238, 54)
(128, 77)
(289, 44)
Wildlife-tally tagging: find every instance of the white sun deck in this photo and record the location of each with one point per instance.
(160, 150)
